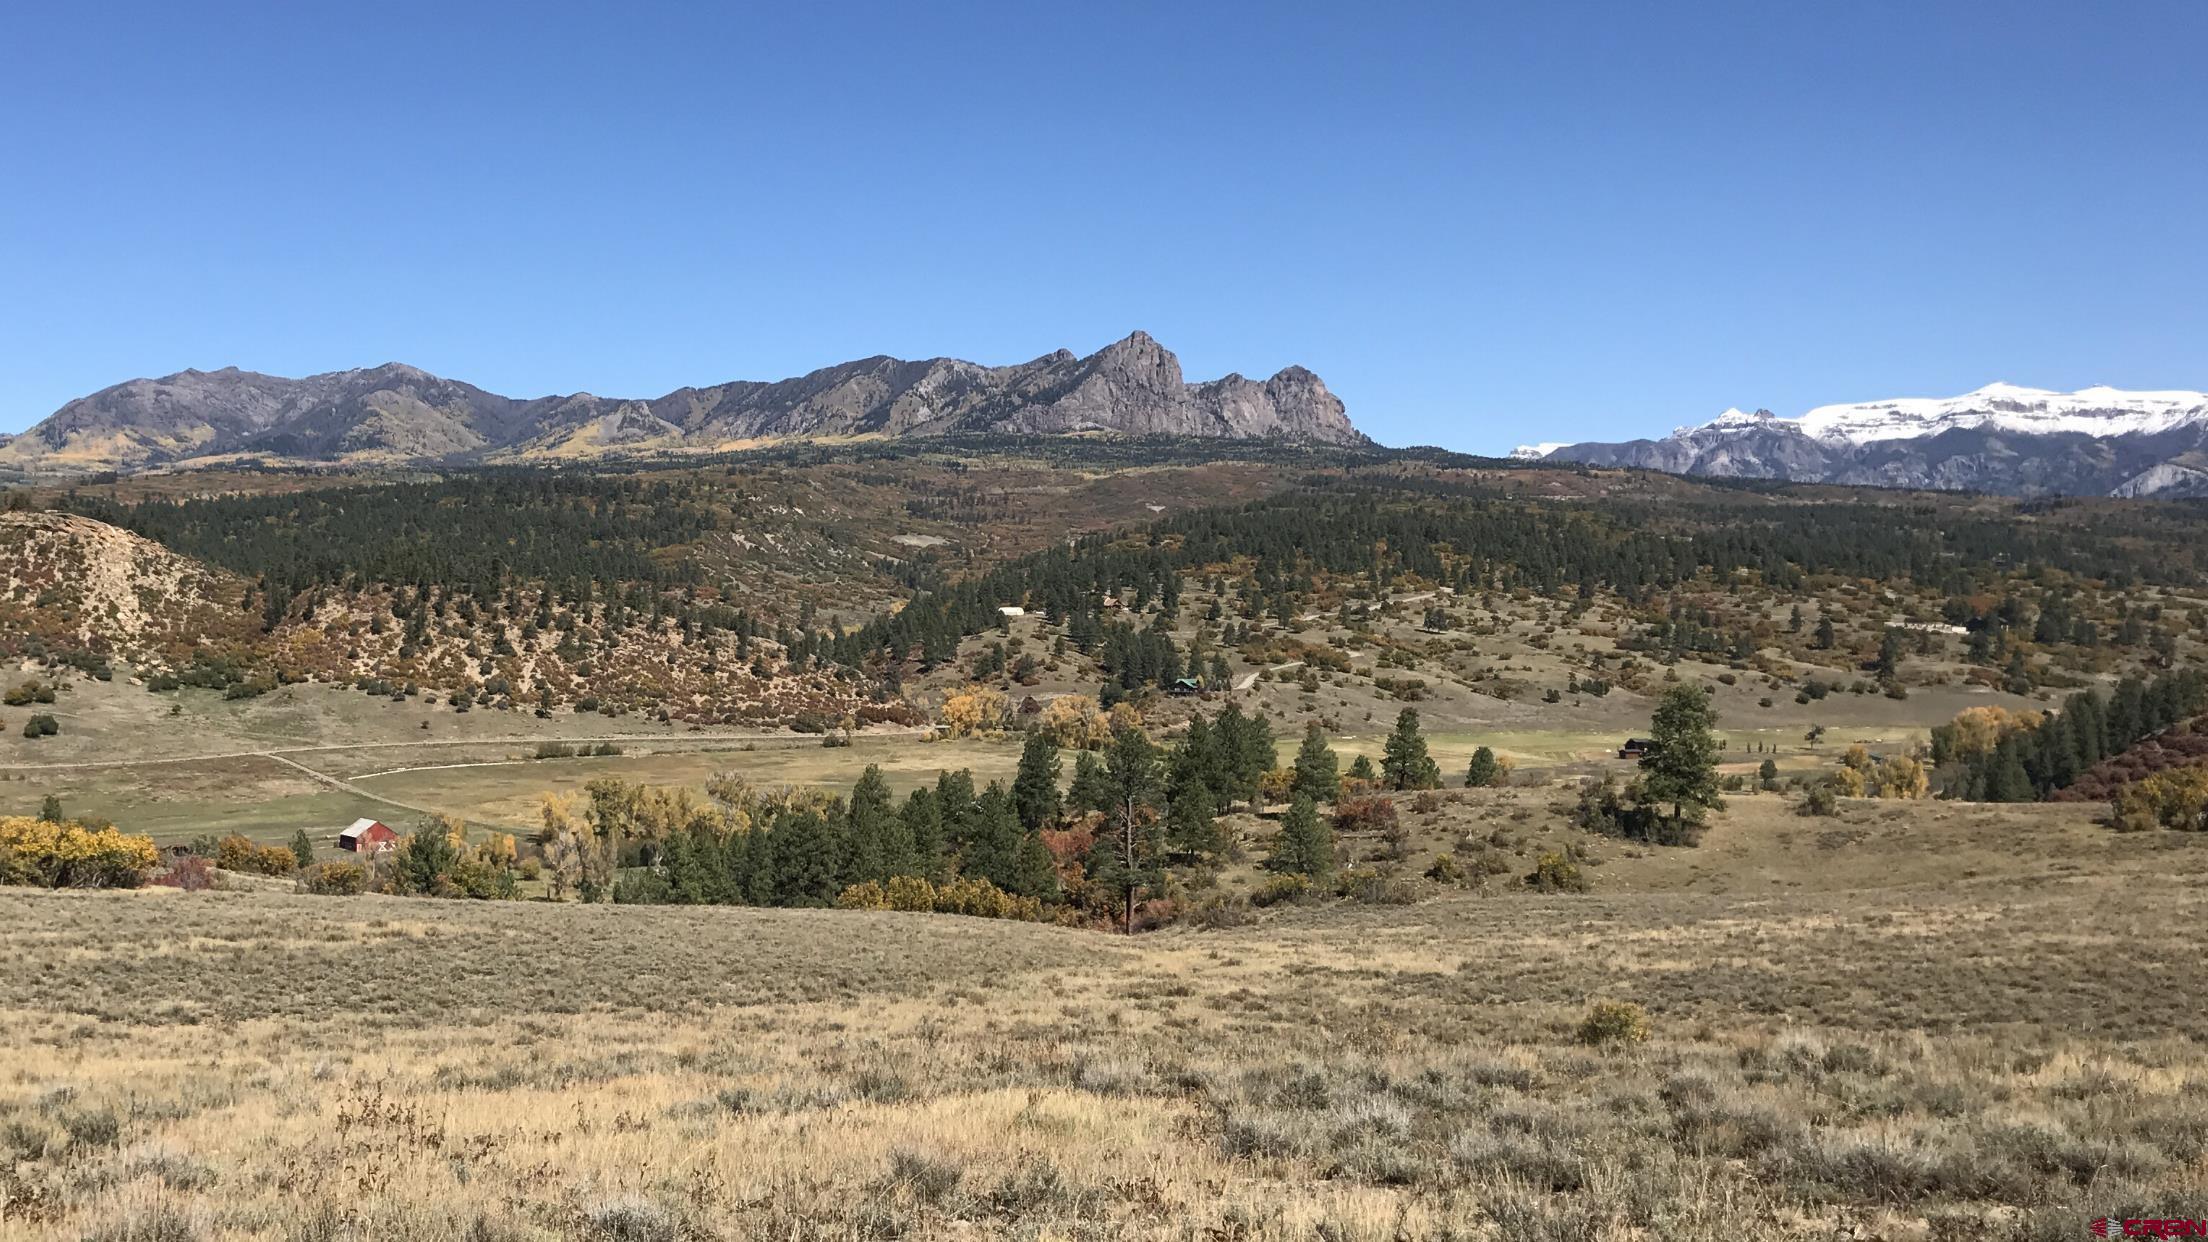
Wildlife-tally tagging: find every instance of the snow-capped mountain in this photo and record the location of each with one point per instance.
(2097, 412)
(2002, 437)
(1535, 452)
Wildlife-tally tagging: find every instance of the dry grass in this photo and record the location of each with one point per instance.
(1984, 1056)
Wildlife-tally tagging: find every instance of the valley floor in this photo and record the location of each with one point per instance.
(1920, 1020)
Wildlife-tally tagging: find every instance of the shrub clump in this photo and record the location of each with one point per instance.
(240, 853)
(971, 896)
(1555, 873)
(335, 879)
(1370, 813)
(1614, 1022)
(191, 873)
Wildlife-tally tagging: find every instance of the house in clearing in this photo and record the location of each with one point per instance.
(368, 836)
(1635, 747)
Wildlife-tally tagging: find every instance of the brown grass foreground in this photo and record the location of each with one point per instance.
(1979, 1058)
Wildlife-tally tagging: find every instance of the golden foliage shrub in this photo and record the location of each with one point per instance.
(336, 879)
(50, 855)
(975, 711)
(239, 853)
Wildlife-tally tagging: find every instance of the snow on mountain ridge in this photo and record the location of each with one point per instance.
(1735, 419)
(1535, 452)
(2098, 411)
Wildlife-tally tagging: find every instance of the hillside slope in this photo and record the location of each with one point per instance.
(83, 591)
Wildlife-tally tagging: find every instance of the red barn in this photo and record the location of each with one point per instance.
(368, 836)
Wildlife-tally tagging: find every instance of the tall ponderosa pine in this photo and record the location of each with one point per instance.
(1035, 786)
(1318, 772)
(1125, 858)
(878, 842)
(1680, 770)
(1404, 763)
(1305, 845)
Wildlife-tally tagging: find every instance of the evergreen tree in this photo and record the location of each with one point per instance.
(1196, 773)
(994, 840)
(1825, 637)
(1190, 826)
(1318, 773)
(1090, 791)
(1035, 787)
(1125, 858)
(954, 793)
(1484, 770)
(696, 866)
(1681, 767)
(1889, 656)
(1251, 757)
(1035, 872)
(1767, 774)
(2006, 779)
(878, 842)
(922, 820)
(747, 877)
(1404, 763)
(1305, 845)
(49, 811)
(424, 862)
(806, 858)
(302, 848)
(1360, 769)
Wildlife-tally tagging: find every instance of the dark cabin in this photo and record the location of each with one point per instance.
(1635, 747)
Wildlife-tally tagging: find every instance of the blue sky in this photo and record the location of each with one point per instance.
(1481, 224)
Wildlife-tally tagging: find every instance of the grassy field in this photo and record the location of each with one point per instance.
(491, 786)
(1913, 1021)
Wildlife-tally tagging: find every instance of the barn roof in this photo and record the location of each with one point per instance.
(357, 827)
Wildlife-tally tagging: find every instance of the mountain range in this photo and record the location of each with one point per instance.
(2000, 438)
(398, 414)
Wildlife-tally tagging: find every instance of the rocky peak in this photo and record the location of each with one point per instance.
(400, 413)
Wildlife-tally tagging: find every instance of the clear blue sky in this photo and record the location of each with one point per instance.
(1481, 224)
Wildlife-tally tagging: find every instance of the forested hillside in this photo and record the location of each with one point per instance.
(812, 583)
